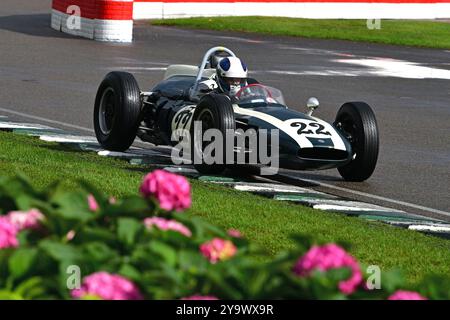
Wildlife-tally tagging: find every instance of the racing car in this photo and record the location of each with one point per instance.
(122, 111)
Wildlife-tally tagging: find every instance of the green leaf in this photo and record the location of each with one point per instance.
(24, 202)
(91, 297)
(96, 234)
(435, 287)
(31, 288)
(73, 206)
(99, 252)
(51, 189)
(132, 206)
(127, 230)
(192, 260)
(165, 251)
(22, 236)
(392, 280)
(20, 184)
(8, 295)
(7, 203)
(130, 272)
(225, 287)
(257, 281)
(21, 262)
(4, 270)
(59, 251)
(303, 242)
(16, 192)
(90, 188)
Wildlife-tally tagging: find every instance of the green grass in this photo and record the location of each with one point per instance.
(430, 34)
(266, 222)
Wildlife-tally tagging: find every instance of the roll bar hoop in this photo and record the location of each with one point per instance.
(206, 57)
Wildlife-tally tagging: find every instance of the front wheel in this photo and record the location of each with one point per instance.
(213, 112)
(117, 111)
(357, 122)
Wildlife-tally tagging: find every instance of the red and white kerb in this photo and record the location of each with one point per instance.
(103, 20)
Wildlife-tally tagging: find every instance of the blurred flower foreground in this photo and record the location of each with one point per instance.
(83, 244)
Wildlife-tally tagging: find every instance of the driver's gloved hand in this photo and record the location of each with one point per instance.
(207, 86)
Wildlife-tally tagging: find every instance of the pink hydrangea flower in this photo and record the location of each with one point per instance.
(107, 287)
(406, 295)
(165, 224)
(234, 233)
(218, 250)
(25, 219)
(330, 256)
(8, 234)
(93, 205)
(172, 191)
(198, 297)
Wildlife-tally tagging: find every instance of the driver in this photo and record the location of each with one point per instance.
(231, 76)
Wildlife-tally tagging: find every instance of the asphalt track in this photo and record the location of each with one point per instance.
(51, 78)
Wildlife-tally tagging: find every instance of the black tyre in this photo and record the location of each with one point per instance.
(117, 111)
(357, 122)
(214, 111)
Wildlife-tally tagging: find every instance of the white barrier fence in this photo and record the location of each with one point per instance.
(337, 9)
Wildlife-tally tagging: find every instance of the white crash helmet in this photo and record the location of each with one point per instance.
(231, 74)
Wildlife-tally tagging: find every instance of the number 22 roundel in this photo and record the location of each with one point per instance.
(309, 127)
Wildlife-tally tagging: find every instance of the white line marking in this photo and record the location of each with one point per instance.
(315, 51)
(398, 68)
(242, 39)
(327, 204)
(141, 68)
(68, 139)
(355, 207)
(106, 153)
(271, 188)
(65, 124)
(181, 170)
(405, 224)
(123, 60)
(30, 126)
(336, 72)
(368, 195)
(423, 228)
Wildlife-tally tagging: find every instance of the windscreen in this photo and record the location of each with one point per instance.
(257, 94)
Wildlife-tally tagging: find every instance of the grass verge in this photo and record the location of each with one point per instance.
(430, 34)
(266, 222)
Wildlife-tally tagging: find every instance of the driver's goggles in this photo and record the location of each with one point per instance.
(234, 81)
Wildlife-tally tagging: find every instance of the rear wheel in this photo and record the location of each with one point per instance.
(357, 122)
(214, 111)
(117, 111)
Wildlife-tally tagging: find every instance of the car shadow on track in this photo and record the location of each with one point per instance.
(32, 24)
(316, 176)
